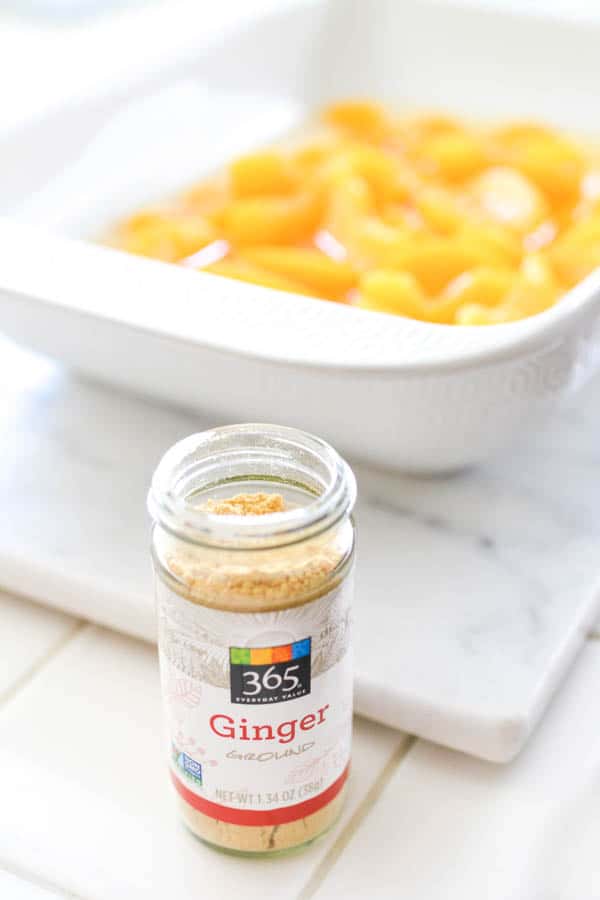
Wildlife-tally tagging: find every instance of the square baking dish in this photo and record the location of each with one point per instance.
(400, 393)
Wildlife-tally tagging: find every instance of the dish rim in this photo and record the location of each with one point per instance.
(80, 277)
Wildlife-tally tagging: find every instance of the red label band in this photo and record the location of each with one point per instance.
(280, 816)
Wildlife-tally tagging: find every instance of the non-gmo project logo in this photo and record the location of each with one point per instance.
(189, 767)
(270, 674)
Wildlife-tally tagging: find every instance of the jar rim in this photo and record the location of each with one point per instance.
(218, 450)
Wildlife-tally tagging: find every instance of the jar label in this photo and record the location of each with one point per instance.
(259, 706)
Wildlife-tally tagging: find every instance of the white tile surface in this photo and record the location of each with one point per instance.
(454, 828)
(14, 888)
(85, 798)
(27, 634)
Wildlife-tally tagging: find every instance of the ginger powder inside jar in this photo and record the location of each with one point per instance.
(253, 548)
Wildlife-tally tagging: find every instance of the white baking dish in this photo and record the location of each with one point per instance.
(400, 393)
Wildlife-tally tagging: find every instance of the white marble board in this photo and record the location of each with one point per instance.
(474, 593)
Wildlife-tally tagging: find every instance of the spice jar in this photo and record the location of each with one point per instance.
(253, 547)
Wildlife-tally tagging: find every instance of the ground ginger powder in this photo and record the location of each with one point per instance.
(246, 505)
(253, 655)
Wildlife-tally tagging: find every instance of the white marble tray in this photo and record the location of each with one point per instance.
(474, 593)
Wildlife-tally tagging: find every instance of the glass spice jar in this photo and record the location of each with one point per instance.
(253, 547)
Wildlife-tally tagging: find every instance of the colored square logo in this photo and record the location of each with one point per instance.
(301, 648)
(282, 654)
(261, 656)
(239, 655)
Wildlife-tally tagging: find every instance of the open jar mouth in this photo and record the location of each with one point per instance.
(266, 456)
